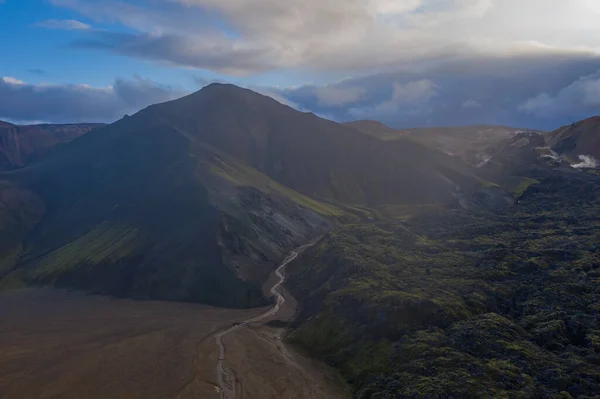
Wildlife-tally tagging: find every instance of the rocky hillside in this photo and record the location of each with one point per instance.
(578, 143)
(463, 305)
(20, 145)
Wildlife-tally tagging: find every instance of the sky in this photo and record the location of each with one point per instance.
(407, 63)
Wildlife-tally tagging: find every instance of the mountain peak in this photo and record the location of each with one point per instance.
(225, 88)
(217, 85)
(222, 99)
(6, 124)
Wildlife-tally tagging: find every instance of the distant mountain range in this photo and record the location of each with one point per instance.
(474, 144)
(20, 145)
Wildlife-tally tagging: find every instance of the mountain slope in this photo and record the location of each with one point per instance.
(198, 198)
(578, 143)
(316, 157)
(20, 145)
(463, 305)
(127, 212)
(473, 144)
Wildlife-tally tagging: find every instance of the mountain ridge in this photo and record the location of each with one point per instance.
(119, 209)
(472, 143)
(23, 144)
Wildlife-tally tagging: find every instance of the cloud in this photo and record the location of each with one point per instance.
(334, 96)
(408, 98)
(587, 162)
(580, 96)
(139, 93)
(36, 71)
(435, 94)
(12, 81)
(275, 95)
(345, 36)
(471, 104)
(65, 24)
(195, 52)
(79, 103)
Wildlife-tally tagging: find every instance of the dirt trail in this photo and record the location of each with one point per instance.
(225, 379)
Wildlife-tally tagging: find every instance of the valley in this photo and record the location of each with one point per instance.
(165, 256)
(299, 199)
(62, 344)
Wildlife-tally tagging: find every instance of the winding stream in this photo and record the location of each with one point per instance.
(226, 379)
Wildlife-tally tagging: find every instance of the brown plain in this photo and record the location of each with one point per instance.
(59, 344)
(56, 344)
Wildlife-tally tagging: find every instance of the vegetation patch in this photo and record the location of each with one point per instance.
(463, 305)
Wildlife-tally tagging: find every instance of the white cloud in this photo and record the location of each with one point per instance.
(414, 92)
(337, 96)
(252, 36)
(11, 80)
(587, 162)
(583, 95)
(65, 24)
(393, 7)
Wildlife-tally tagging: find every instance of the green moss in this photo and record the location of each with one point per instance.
(105, 244)
(241, 175)
(466, 305)
(518, 188)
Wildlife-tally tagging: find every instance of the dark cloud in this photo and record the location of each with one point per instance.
(139, 93)
(538, 92)
(200, 52)
(78, 103)
(541, 92)
(581, 97)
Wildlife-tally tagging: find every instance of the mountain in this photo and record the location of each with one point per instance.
(198, 198)
(314, 156)
(578, 143)
(20, 145)
(473, 144)
(455, 303)
(516, 162)
(462, 304)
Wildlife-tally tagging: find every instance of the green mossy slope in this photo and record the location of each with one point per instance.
(463, 305)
